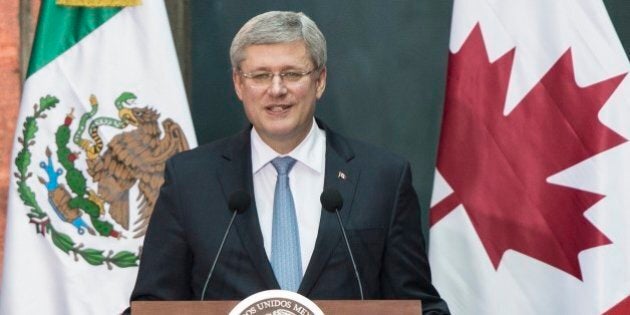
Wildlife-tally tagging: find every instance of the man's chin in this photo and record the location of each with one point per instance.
(282, 133)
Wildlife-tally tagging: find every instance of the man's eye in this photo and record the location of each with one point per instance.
(261, 76)
(292, 76)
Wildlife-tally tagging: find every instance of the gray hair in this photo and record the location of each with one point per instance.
(276, 27)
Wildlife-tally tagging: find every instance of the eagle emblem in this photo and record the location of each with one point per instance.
(105, 188)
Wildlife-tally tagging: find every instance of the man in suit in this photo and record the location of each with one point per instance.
(284, 239)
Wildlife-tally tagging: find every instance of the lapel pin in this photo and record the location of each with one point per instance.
(341, 175)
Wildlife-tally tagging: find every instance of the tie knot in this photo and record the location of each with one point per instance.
(283, 165)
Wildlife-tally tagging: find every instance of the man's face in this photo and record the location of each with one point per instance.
(281, 110)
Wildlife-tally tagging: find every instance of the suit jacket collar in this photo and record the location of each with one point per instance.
(236, 174)
(341, 174)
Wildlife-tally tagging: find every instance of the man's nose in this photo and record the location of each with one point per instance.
(277, 87)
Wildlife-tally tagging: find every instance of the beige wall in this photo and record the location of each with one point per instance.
(17, 23)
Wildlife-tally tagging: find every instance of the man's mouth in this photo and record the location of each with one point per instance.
(278, 108)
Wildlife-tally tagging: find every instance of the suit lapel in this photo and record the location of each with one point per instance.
(237, 175)
(343, 176)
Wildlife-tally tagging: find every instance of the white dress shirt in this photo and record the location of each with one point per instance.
(306, 180)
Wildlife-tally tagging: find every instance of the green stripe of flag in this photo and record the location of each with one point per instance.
(60, 28)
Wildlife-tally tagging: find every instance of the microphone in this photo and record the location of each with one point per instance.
(238, 202)
(333, 202)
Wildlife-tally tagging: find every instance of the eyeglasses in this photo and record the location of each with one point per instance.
(264, 78)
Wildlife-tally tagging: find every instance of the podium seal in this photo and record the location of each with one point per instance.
(276, 302)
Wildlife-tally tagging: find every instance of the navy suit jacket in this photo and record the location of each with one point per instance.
(380, 212)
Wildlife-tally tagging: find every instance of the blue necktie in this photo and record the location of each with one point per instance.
(286, 259)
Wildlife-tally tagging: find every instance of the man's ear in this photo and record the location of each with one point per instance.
(321, 82)
(238, 83)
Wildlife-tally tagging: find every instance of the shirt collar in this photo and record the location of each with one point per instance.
(310, 152)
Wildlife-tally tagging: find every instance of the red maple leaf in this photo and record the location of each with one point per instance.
(622, 308)
(498, 165)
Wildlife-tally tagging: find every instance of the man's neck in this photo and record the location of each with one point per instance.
(287, 144)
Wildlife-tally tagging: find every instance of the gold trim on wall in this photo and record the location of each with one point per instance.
(100, 3)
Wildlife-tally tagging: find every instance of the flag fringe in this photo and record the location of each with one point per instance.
(99, 3)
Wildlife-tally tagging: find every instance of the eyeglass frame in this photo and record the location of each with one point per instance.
(270, 75)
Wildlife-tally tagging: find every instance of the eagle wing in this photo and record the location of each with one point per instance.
(116, 174)
(151, 172)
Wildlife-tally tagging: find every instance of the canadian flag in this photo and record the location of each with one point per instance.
(530, 211)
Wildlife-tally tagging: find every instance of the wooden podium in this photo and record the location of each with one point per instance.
(342, 307)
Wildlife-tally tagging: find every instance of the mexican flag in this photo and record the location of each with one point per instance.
(103, 107)
(531, 209)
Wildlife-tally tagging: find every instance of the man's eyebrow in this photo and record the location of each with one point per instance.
(283, 69)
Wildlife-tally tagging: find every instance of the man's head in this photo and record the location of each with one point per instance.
(279, 72)
(277, 27)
